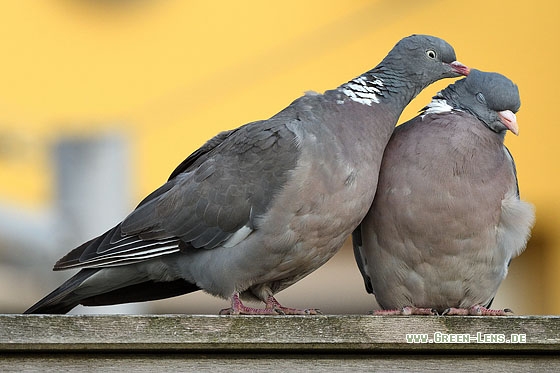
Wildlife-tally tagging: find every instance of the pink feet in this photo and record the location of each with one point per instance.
(476, 310)
(409, 310)
(272, 308)
(271, 302)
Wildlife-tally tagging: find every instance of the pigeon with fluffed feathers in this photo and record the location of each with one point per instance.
(260, 207)
(447, 218)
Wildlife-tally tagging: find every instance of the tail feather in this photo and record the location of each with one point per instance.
(64, 298)
(61, 300)
(142, 292)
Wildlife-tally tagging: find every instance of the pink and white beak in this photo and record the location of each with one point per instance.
(509, 120)
(459, 68)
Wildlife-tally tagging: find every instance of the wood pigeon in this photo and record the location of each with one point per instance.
(447, 218)
(260, 207)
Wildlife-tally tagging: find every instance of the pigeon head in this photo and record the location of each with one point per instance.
(414, 63)
(425, 59)
(491, 97)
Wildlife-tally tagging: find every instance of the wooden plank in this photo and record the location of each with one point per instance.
(278, 334)
(177, 362)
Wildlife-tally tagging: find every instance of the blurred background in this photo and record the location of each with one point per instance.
(100, 100)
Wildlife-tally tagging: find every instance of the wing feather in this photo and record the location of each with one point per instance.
(209, 198)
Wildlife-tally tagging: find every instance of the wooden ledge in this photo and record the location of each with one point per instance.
(278, 334)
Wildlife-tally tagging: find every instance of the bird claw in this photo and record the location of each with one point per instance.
(238, 308)
(406, 311)
(244, 310)
(311, 311)
(295, 311)
(273, 307)
(419, 311)
(271, 302)
(226, 311)
(475, 310)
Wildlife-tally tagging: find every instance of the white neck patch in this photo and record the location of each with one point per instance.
(437, 106)
(362, 90)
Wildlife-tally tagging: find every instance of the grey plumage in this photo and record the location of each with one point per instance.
(258, 208)
(447, 219)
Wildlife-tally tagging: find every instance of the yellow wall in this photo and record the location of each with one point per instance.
(173, 73)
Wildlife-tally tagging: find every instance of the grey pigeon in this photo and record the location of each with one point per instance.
(447, 219)
(260, 207)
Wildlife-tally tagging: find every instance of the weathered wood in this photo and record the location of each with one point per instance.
(275, 363)
(265, 333)
(297, 343)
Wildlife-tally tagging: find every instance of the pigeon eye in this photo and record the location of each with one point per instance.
(480, 98)
(431, 54)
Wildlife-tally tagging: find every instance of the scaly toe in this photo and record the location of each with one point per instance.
(313, 311)
(476, 310)
(419, 311)
(279, 311)
(407, 311)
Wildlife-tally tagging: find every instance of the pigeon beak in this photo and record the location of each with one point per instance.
(459, 68)
(509, 120)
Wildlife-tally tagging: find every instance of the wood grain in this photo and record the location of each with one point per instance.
(298, 343)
